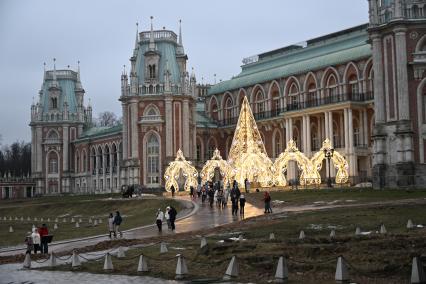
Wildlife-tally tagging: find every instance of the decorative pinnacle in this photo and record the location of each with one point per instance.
(180, 32)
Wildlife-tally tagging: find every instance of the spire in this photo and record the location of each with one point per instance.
(54, 69)
(78, 71)
(151, 37)
(124, 70)
(137, 36)
(180, 45)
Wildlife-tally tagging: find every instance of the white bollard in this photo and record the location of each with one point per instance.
(28, 219)
(72, 220)
(302, 235)
(181, 268)
(342, 275)
(120, 252)
(203, 242)
(95, 223)
(64, 220)
(56, 220)
(332, 234)
(417, 272)
(272, 236)
(240, 238)
(77, 225)
(22, 219)
(142, 265)
(108, 262)
(52, 259)
(35, 218)
(16, 218)
(281, 274)
(383, 229)
(10, 229)
(163, 248)
(100, 221)
(27, 261)
(80, 221)
(5, 218)
(41, 219)
(358, 231)
(55, 227)
(232, 270)
(33, 228)
(410, 224)
(90, 220)
(75, 260)
(48, 219)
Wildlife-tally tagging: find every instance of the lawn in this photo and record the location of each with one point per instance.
(335, 195)
(373, 258)
(135, 212)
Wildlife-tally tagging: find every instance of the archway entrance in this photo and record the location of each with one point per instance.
(180, 167)
(216, 168)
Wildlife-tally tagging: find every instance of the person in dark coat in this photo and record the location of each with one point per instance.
(242, 204)
(117, 222)
(172, 189)
(172, 215)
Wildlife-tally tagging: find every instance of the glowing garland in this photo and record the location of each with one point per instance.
(174, 169)
(207, 173)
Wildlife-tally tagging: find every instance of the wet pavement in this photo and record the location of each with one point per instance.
(202, 216)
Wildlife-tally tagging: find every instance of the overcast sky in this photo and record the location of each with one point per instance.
(217, 35)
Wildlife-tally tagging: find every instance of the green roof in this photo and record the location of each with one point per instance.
(201, 118)
(318, 54)
(96, 132)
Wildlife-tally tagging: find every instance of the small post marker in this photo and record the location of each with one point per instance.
(80, 221)
(108, 262)
(75, 260)
(232, 270)
(342, 275)
(55, 227)
(142, 265)
(64, 220)
(95, 223)
(72, 220)
(90, 220)
(163, 248)
(48, 219)
(22, 219)
(410, 224)
(272, 236)
(383, 229)
(240, 238)
(41, 219)
(100, 221)
(120, 252)
(333, 234)
(302, 235)
(417, 271)
(28, 219)
(10, 229)
(203, 242)
(56, 220)
(35, 218)
(77, 225)
(52, 259)
(27, 261)
(281, 274)
(358, 231)
(181, 268)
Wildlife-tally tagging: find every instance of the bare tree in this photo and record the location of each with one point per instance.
(107, 118)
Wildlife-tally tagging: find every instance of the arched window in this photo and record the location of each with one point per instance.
(260, 104)
(314, 139)
(228, 110)
(353, 89)
(84, 161)
(114, 157)
(94, 164)
(107, 159)
(278, 144)
(211, 148)
(331, 89)
(214, 109)
(357, 138)
(53, 163)
(311, 100)
(100, 160)
(77, 162)
(293, 96)
(153, 160)
(53, 103)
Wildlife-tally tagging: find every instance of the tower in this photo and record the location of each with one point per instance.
(397, 36)
(57, 119)
(158, 107)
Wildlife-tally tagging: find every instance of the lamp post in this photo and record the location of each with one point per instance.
(328, 153)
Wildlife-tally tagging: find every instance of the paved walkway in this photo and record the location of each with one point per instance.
(196, 217)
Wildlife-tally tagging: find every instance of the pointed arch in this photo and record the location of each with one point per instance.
(421, 44)
(152, 161)
(214, 108)
(52, 134)
(367, 68)
(211, 146)
(309, 80)
(228, 106)
(53, 162)
(347, 73)
(274, 96)
(151, 110)
(77, 161)
(255, 90)
(277, 143)
(292, 92)
(84, 160)
(327, 73)
(239, 99)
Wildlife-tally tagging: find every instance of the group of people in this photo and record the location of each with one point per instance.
(114, 223)
(169, 215)
(38, 240)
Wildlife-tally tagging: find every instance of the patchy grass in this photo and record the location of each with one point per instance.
(135, 212)
(374, 258)
(336, 195)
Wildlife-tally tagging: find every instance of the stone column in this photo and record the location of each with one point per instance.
(319, 132)
(185, 128)
(345, 118)
(33, 149)
(125, 131)
(330, 125)
(365, 122)
(352, 159)
(326, 129)
(65, 147)
(379, 97)
(111, 174)
(169, 128)
(135, 127)
(304, 136)
(401, 73)
(361, 127)
(308, 136)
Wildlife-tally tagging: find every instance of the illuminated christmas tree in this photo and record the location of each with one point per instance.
(247, 155)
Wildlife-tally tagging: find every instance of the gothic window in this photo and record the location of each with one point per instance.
(114, 155)
(53, 163)
(311, 100)
(356, 133)
(198, 152)
(107, 157)
(353, 86)
(84, 162)
(100, 160)
(77, 163)
(278, 144)
(213, 109)
(331, 88)
(211, 148)
(151, 69)
(293, 96)
(228, 109)
(260, 104)
(314, 139)
(94, 160)
(54, 103)
(153, 160)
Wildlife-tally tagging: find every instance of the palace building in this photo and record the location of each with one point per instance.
(364, 88)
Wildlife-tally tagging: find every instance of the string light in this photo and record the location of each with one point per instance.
(180, 164)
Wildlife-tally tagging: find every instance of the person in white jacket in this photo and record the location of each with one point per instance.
(160, 217)
(111, 226)
(36, 240)
(167, 216)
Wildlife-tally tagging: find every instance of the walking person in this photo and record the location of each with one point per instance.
(111, 226)
(247, 185)
(172, 189)
(117, 223)
(36, 240)
(199, 190)
(160, 217)
(172, 214)
(226, 195)
(44, 238)
(191, 192)
(242, 204)
(204, 194)
(29, 243)
(267, 200)
(167, 217)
